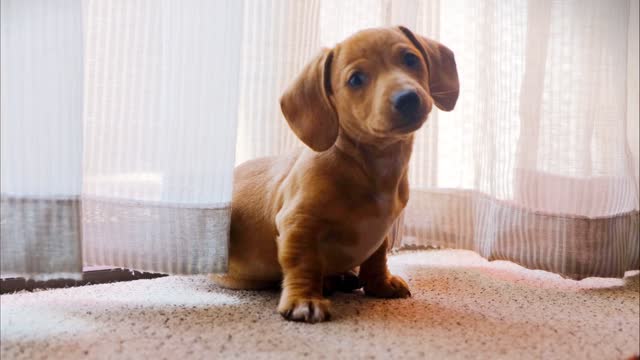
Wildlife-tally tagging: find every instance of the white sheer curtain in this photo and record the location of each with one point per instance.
(537, 164)
(41, 86)
(118, 134)
(119, 125)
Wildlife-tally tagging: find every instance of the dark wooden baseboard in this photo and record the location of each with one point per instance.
(89, 277)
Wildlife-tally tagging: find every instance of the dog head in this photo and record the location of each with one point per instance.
(377, 86)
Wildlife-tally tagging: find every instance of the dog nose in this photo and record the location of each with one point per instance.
(406, 102)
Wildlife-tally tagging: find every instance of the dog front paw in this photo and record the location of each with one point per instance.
(310, 310)
(389, 287)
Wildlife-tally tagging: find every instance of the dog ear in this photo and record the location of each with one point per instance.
(443, 73)
(307, 107)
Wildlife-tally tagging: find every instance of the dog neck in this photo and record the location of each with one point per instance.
(385, 166)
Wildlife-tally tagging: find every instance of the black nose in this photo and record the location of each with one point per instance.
(406, 102)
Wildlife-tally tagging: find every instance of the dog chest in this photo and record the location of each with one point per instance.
(361, 234)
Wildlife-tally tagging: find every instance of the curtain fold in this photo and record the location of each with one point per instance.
(573, 246)
(161, 108)
(41, 86)
(118, 134)
(535, 164)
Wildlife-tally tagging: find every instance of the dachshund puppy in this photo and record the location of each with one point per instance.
(326, 209)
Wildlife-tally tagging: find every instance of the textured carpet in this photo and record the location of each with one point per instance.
(462, 307)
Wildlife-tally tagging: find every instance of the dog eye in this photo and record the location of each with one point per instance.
(411, 60)
(357, 79)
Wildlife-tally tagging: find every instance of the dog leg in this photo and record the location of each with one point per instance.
(301, 298)
(344, 282)
(377, 280)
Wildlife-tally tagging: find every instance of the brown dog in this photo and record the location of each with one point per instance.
(326, 210)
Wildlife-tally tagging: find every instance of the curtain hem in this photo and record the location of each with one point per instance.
(45, 277)
(40, 236)
(146, 237)
(574, 247)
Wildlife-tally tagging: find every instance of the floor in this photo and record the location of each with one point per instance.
(462, 307)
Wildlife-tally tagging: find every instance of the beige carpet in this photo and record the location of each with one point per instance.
(462, 307)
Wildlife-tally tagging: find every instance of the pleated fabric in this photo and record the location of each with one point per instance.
(118, 134)
(162, 87)
(41, 104)
(573, 246)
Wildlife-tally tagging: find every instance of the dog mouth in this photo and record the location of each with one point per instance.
(400, 127)
(403, 124)
(408, 128)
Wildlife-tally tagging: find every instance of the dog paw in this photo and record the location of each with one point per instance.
(389, 287)
(306, 310)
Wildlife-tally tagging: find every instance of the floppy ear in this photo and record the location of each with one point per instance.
(443, 74)
(306, 105)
